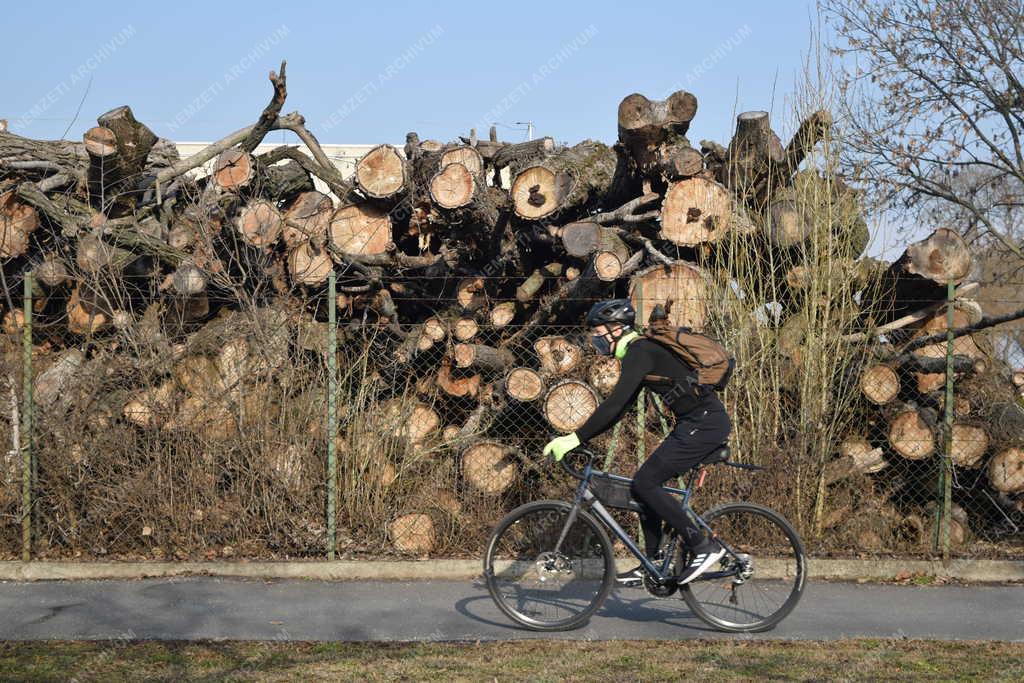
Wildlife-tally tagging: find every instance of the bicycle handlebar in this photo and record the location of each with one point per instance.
(577, 474)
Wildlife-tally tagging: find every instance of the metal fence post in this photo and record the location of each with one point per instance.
(27, 461)
(946, 477)
(332, 363)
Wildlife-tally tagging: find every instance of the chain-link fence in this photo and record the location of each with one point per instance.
(199, 427)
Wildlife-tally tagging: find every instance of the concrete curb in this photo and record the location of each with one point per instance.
(975, 571)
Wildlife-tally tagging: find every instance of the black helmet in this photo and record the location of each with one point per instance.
(612, 311)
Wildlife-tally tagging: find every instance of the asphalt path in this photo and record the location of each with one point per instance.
(202, 608)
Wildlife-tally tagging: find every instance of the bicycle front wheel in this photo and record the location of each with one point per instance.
(540, 583)
(760, 580)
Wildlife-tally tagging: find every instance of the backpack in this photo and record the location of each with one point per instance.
(712, 361)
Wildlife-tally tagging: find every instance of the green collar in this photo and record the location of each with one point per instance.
(623, 343)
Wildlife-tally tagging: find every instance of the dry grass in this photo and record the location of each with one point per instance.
(550, 660)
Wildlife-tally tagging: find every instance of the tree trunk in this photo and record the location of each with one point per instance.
(919, 276)
(572, 181)
(647, 126)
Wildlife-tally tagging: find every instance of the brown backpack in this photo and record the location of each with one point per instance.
(712, 362)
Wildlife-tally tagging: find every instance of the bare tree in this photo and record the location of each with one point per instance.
(933, 108)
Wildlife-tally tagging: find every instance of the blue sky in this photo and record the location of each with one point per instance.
(371, 71)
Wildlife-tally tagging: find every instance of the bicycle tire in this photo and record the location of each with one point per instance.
(591, 533)
(799, 560)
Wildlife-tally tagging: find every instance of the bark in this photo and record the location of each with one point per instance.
(572, 181)
(647, 126)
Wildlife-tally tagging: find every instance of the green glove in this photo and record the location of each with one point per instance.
(557, 448)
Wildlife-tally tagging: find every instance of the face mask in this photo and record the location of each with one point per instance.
(601, 343)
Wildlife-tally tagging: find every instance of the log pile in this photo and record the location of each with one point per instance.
(468, 293)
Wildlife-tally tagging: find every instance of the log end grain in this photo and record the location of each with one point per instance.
(489, 467)
(381, 173)
(360, 229)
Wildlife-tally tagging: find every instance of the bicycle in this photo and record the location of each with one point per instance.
(549, 564)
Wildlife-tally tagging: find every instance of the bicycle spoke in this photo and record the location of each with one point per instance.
(759, 581)
(538, 586)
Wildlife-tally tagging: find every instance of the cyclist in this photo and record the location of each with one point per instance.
(702, 426)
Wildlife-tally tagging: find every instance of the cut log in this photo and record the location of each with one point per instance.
(53, 385)
(864, 457)
(695, 211)
(234, 169)
(150, 408)
(381, 172)
(413, 422)
(457, 385)
(465, 328)
(679, 161)
(489, 467)
(911, 435)
(568, 404)
(970, 443)
(470, 293)
(308, 265)
(1006, 470)
(646, 126)
(880, 384)
(259, 223)
(524, 384)
(557, 355)
(682, 282)
(104, 173)
(753, 160)
(962, 346)
(133, 139)
(52, 272)
(465, 155)
(502, 314)
(82, 321)
(573, 180)
(529, 287)
(795, 212)
(603, 374)
(453, 186)
(413, 533)
(308, 217)
(920, 276)
(360, 229)
(17, 221)
(188, 280)
(481, 357)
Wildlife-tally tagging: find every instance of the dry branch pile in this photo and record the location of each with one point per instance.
(177, 304)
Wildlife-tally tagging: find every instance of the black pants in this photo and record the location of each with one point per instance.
(694, 438)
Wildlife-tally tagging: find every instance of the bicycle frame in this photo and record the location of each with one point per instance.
(585, 495)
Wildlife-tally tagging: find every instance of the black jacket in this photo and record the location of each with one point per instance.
(649, 364)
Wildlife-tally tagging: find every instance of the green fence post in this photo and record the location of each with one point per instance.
(26, 424)
(332, 371)
(947, 450)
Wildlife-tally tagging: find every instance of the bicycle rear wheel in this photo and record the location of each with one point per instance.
(536, 586)
(760, 581)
